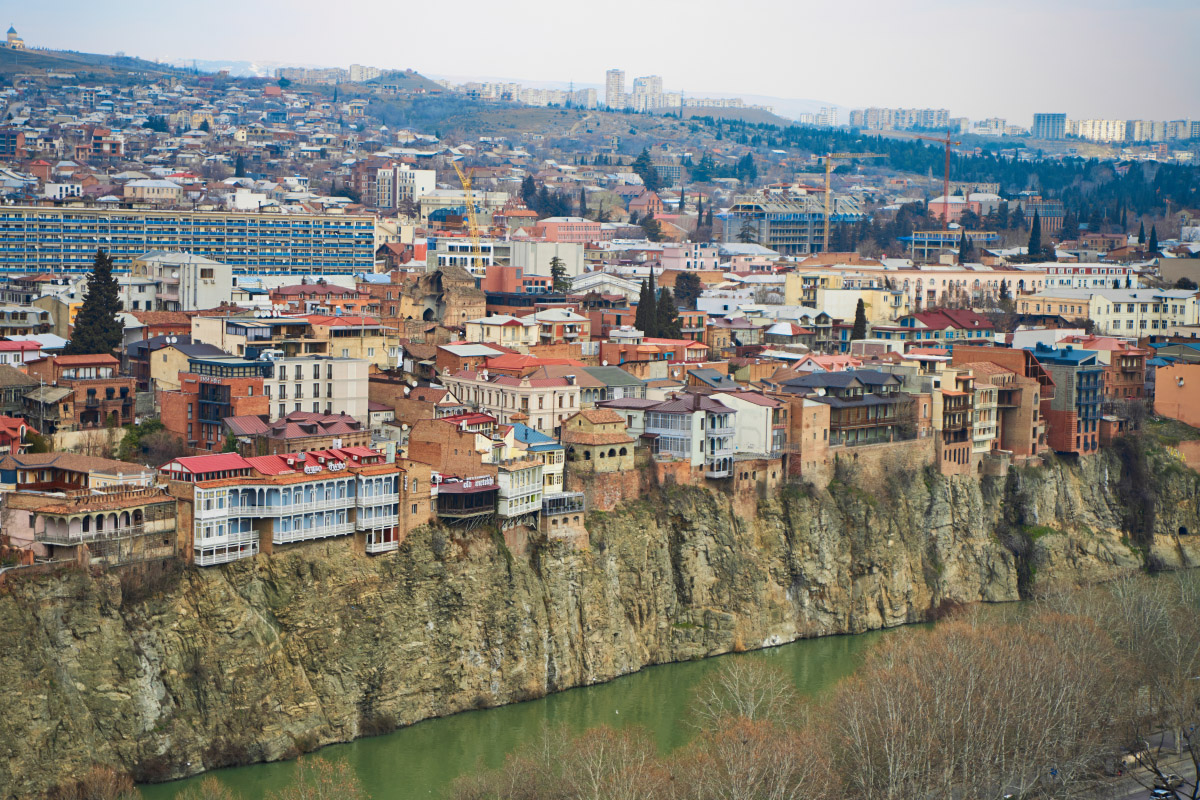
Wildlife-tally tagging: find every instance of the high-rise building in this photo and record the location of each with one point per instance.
(614, 88)
(1050, 126)
(647, 93)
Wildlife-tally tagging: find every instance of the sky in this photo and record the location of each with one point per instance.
(1119, 59)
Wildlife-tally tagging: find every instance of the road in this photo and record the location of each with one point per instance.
(1129, 789)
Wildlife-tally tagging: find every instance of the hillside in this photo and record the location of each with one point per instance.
(15, 61)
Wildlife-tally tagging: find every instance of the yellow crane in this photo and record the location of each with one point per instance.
(829, 159)
(473, 223)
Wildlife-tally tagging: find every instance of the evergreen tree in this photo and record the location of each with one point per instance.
(964, 248)
(1153, 245)
(746, 234)
(633, 218)
(544, 205)
(558, 274)
(239, 166)
(583, 209)
(1123, 230)
(1070, 228)
(1018, 218)
(645, 319)
(667, 317)
(708, 219)
(1142, 233)
(1035, 236)
(1005, 294)
(700, 210)
(860, 322)
(529, 191)
(687, 289)
(682, 199)
(651, 227)
(645, 170)
(97, 329)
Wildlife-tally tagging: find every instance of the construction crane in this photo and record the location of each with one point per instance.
(948, 142)
(472, 221)
(829, 159)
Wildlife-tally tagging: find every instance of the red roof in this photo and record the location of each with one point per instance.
(81, 360)
(216, 462)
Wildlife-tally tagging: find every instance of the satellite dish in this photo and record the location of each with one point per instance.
(604, 363)
(406, 391)
(413, 383)
(175, 274)
(820, 392)
(403, 426)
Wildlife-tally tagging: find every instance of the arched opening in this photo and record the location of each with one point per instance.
(428, 316)
(624, 452)
(587, 455)
(1183, 530)
(612, 452)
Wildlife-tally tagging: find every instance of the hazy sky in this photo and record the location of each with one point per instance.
(1007, 58)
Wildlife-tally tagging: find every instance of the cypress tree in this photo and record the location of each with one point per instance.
(645, 319)
(667, 317)
(97, 329)
(239, 167)
(1142, 233)
(964, 248)
(860, 322)
(682, 199)
(1035, 236)
(1153, 246)
(583, 209)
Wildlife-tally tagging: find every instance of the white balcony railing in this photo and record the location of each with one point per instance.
(315, 532)
(378, 499)
(378, 521)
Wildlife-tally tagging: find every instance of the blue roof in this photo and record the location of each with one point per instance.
(536, 440)
(1064, 356)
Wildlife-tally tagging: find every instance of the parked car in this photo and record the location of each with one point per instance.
(1162, 794)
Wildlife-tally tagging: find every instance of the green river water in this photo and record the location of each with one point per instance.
(423, 759)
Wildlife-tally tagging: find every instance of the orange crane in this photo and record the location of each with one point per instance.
(948, 142)
(829, 159)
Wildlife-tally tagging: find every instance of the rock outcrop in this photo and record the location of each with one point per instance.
(167, 674)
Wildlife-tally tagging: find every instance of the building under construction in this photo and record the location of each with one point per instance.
(788, 225)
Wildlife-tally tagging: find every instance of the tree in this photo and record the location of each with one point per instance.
(1034, 249)
(633, 218)
(1152, 246)
(283, 83)
(682, 200)
(318, 779)
(529, 191)
(652, 227)
(1005, 294)
(965, 250)
(204, 126)
(687, 289)
(1183, 283)
(97, 329)
(239, 166)
(1070, 228)
(645, 319)
(231, 443)
(667, 317)
(558, 274)
(860, 322)
(746, 234)
(645, 170)
(1142, 233)
(583, 209)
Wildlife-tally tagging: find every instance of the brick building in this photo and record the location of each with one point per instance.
(209, 391)
(98, 391)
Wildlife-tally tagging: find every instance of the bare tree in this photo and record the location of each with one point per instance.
(744, 688)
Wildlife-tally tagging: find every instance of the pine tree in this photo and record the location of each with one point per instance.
(645, 319)
(1035, 236)
(860, 322)
(667, 317)
(97, 329)
(529, 191)
(652, 228)
(964, 248)
(633, 218)
(583, 209)
(1153, 245)
(645, 170)
(558, 274)
(746, 234)
(239, 166)
(687, 289)
(1005, 294)
(682, 199)
(1142, 233)
(1070, 228)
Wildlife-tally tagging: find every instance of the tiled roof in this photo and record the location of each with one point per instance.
(70, 461)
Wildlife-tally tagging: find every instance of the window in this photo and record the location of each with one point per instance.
(206, 273)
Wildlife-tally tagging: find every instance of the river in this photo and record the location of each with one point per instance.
(422, 760)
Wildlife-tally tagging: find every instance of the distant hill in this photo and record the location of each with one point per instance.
(751, 115)
(14, 61)
(407, 80)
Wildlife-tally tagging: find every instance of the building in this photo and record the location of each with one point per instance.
(544, 402)
(320, 384)
(1175, 393)
(1090, 276)
(788, 225)
(97, 393)
(1124, 365)
(694, 428)
(519, 333)
(210, 390)
(399, 184)
(596, 441)
(1119, 312)
(321, 297)
(1073, 414)
(183, 281)
(1049, 126)
(299, 431)
(67, 238)
(614, 88)
(232, 507)
(865, 406)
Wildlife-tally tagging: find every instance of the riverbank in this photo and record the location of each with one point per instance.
(266, 659)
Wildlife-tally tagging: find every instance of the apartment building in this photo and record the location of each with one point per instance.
(1090, 276)
(1073, 414)
(542, 403)
(232, 507)
(254, 337)
(866, 406)
(182, 281)
(1123, 361)
(210, 390)
(397, 184)
(96, 392)
(519, 333)
(790, 226)
(319, 384)
(1020, 399)
(49, 239)
(694, 428)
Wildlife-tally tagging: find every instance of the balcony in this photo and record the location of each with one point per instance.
(720, 467)
(67, 537)
(378, 499)
(375, 547)
(92, 401)
(377, 521)
(565, 503)
(315, 532)
(212, 553)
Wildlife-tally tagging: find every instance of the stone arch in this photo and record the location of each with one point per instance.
(623, 451)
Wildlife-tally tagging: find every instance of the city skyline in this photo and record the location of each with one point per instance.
(878, 63)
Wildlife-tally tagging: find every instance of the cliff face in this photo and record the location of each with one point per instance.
(168, 675)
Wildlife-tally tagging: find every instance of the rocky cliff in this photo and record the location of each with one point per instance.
(168, 674)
